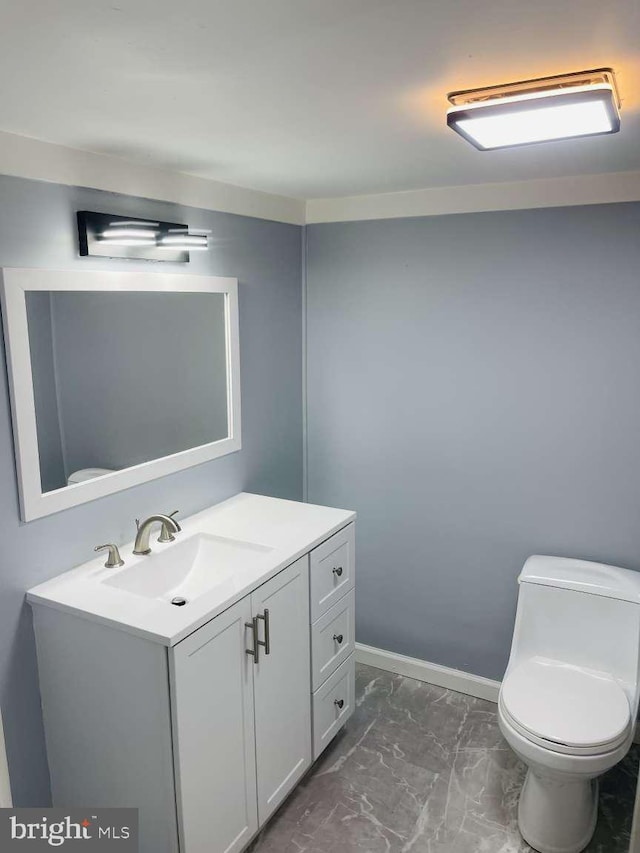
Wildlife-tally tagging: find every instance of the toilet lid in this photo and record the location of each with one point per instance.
(565, 704)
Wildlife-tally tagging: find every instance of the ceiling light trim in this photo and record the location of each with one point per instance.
(593, 77)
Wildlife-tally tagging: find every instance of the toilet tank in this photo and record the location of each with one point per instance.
(580, 613)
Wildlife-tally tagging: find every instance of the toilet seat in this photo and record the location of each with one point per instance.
(564, 708)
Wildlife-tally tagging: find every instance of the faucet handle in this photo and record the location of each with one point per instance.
(114, 559)
(165, 534)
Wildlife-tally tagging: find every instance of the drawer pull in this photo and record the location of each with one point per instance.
(337, 570)
(338, 638)
(255, 651)
(339, 703)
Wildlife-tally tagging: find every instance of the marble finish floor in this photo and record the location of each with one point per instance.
(421, 769)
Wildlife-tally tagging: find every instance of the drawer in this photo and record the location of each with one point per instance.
(331, 570)
(333, 704)
(332, 639)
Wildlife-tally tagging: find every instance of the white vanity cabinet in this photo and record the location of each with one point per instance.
(242, 724)
(205, 726)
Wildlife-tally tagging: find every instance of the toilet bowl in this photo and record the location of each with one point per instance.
(569, 698)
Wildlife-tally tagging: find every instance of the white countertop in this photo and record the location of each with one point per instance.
(288, 528)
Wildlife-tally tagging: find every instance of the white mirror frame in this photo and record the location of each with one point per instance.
(34, 503)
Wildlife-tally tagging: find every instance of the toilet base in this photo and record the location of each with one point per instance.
(557, 815)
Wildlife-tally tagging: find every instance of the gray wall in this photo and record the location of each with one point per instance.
(37, 229)
(474, 392)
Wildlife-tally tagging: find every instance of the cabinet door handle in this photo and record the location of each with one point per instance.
(339, 703)
(337, 570)
(267, 639)
(338, 638)
(255, 651)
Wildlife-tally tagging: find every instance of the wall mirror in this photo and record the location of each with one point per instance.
(116, 379)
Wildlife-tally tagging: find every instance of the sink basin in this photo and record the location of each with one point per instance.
(189, 568)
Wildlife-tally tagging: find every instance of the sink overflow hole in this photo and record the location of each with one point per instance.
(179, 601)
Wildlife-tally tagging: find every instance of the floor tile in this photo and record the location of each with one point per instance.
(421, 769)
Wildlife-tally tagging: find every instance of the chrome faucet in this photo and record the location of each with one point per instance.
(169, 527)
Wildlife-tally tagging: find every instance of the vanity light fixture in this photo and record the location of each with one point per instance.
(107, 235)
(547, 109)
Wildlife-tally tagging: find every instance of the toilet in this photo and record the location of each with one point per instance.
(569, 698)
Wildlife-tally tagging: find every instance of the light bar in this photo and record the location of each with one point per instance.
(130, 233)
(536, 111)
(184, 240)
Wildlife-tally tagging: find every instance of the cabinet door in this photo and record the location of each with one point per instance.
(213, 733)
(281, 685)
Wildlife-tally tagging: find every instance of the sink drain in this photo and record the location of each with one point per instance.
(179, 601)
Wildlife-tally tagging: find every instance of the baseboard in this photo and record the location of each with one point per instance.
(441, 676)
(431, 673)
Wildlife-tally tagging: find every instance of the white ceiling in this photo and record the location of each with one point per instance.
(307, 98)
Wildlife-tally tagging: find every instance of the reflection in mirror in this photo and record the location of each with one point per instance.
(121, 378)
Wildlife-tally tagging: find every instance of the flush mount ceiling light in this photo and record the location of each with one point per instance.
(550, 108)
